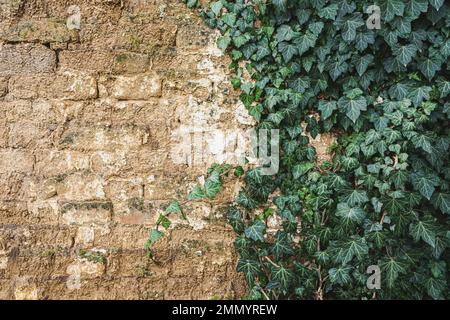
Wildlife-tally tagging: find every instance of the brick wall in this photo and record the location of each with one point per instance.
(86, 120)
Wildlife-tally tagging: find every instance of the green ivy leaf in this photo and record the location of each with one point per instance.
(196, 194)
(353, 107)
(256, 231)
(327, 108)
(425, 184)
(392, 268)
(437, 4)
(163, 221)
(340, 275)
(348, 213)
(442, 201)
(250, 268)
(329, 12)
(425, 230)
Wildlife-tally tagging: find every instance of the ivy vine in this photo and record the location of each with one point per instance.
(384, 198)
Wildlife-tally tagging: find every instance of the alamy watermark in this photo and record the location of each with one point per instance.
(374, 280)
(197, 147)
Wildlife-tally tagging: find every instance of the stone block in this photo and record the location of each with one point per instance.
(26, 59)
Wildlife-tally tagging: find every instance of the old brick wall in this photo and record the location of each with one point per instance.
(86, 117)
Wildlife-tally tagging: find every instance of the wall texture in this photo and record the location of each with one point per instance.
(87, 118)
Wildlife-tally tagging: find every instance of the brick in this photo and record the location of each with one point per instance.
(192, 36)
(66, 86)
(86, 213)
(43, 31)
(16, 161)
(81, 186)
(104, 138)
(28, 135)
(57, 163)
(130, 63)
(75, 86)
(26, 59)
(141, 87)
(86, 60)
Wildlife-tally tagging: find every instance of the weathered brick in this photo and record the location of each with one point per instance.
(57, 163)
(75, 86)
(140, 87)
(86, 60)
(29, 135)
(104, 138)
(130, 63)
(16, 161)
(86, 213)
(81, 186)
(66, 86)
(26, 59)
(192, 36)
(43, 30)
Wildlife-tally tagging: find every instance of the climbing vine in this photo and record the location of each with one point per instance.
(384, 199)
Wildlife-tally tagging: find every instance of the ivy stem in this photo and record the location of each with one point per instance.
(271, 262)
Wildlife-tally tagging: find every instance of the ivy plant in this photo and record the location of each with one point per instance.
(384, 198)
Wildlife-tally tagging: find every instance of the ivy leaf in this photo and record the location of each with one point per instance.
(425, 230)
(256, 231)
(419, 94)
(250, 268)
(283, 276)
(287, 50)
(437, 4)
(282, 246)
(356, 197)
(399, 91)
(340, 275)
(316, 28)
(350, 26)
(442, 201)
(213, 185)
(416, 7)
(196, 194)
(216, 7)
(425, 184)
(284, 33)
(363, 39)
(362, 63)
(229, 19)
(235, 219)
(355, 214)
(392, 269)
(345, 251)
(353, 107)
(428, 67)
(301, 169)
(424, 142)
(305, 41)
(329, 12)
(393, 8)
(163, 221)
(444, 88)
(174, 207)
(280, 4)
(327, 108)
(155, 235)
(223, 42)
(435, 287)
(404, 54)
